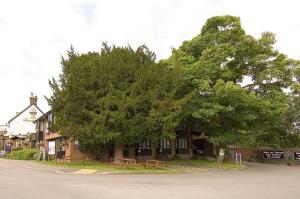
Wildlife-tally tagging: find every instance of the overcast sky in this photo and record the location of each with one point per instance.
(35, 34)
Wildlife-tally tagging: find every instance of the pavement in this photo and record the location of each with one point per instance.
(259, 181)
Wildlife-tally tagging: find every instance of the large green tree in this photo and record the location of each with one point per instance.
(238, 83)
(119, 95)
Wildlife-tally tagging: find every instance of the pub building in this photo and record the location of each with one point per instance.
(54, 144)
(188, 143)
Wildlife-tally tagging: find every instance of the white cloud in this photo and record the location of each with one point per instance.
(34, 33)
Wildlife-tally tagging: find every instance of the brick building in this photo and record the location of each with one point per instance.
(187, 144)
(56, 145)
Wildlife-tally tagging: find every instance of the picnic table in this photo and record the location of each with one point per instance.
(125, 162)
(132, 162)
(65, 159)
(153, 163)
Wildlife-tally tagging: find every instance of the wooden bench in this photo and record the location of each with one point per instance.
(153, 163)
(125, 163)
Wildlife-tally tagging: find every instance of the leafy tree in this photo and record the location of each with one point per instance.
(291, 124)
(119, 95)
(238, 83)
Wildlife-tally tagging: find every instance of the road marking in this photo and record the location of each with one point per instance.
(85, 171)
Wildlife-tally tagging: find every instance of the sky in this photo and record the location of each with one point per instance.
(35, 34)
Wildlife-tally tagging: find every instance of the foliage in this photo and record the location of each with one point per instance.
(232, 85)
(238, 84)
(117, 95)
(291, 124)
(175, 157)
(26, 154)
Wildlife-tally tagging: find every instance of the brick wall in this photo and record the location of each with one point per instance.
(75, 154)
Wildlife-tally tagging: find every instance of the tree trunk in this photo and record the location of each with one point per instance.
(190, 142)
(173, 147)
(104, 155)
(132, 152)
(118, 152)
(153, 150)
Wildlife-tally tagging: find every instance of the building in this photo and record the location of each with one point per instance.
(187, 144)
(3, 136)
(55, 145)
(20, 129)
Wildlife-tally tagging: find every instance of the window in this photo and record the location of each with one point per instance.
(62, 142)
(145, 145)
(50, 117)
(76, 144)
(181, 143)
(41, 125)
(164, 143)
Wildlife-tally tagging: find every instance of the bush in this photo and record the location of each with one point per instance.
(175, 157)
(17, 148)
(26, 154)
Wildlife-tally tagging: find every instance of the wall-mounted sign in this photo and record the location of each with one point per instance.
(274, 155)
(51, 148)
(297, 155)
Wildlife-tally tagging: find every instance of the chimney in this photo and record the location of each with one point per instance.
(33, 99)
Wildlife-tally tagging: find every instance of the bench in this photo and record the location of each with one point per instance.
(153, 163)
(125, 163)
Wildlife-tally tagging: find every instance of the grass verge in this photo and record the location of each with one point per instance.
(175, 166)
(107, 167)
(206, 164)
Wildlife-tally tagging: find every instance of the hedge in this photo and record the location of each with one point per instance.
(26, 154)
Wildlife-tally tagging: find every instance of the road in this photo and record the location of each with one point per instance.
(257, 182)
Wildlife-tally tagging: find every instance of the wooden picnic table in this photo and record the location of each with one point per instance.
(153, 163)
(65, 159)
(132, 162)
(129, 161)
(125, 162)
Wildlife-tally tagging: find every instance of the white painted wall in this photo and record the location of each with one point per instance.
(23, 124)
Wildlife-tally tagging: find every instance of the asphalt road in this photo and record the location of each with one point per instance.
(257, 182)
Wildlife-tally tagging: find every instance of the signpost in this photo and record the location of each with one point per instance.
(273, 155)
(297, 155)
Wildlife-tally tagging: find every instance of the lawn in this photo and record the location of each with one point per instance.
(175, 166)
(206, 164)
(107, 167)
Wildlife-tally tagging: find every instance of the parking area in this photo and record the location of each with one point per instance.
(258, 181)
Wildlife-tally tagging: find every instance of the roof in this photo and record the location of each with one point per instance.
(24, 111)
(43, 116)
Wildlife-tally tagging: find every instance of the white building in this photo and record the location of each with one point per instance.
(21, 125)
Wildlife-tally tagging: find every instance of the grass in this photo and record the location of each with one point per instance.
(175, 166)
(206, 164)
(107, 167)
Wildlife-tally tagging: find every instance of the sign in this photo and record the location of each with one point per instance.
(2, 154)
(51, 148)
(297, 155)
(7, 149)
(274, 155)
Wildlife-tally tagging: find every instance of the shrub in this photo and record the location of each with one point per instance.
(175, 157)
(17, 148)
(26, 154)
